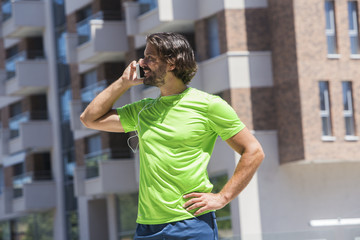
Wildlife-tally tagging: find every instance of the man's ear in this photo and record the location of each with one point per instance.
(171, 64)
(171, 67)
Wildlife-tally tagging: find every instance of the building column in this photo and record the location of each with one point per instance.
(249, 210)
(112, 216)
(83, 218)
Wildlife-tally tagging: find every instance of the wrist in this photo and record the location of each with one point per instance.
(122, 83)
(224, 198)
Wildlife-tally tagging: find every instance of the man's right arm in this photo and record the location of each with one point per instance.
(99, 114)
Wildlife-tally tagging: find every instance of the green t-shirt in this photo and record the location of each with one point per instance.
(177, 135)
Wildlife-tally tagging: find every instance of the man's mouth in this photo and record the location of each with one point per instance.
(146, 71)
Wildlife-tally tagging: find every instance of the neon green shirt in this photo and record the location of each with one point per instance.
(177, 135)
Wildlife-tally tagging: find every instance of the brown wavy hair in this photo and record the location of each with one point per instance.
(173, 48)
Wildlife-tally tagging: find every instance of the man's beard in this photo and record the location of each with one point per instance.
(157, 78)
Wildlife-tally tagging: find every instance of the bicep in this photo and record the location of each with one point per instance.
(110, 122)
(244, 141)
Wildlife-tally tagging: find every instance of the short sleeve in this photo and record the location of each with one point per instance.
(223, 119)
(128, 115)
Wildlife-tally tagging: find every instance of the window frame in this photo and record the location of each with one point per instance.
(354, 30)
(349, 112)
(327, 134)
(331, 32)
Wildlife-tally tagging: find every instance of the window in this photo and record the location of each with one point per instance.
(348, 108)
(325, 109)
(65, 98)
(330, 27)
(353, 27)
(213, 37)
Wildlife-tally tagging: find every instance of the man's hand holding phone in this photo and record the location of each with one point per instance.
(129, 76)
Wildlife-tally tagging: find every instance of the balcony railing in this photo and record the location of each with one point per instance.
(84, 27)
(15, 121)
(6, 10)
(92, 160)
(10, 63)
(20, 180)
(90, 92)
(147, 5)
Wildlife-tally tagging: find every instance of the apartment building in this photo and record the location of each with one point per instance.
(290, 69)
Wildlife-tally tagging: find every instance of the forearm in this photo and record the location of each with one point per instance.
(104, 101)
(244, 171)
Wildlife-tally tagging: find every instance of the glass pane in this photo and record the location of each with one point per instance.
(6, 10)
(352, 15)
(89, 92)
(329, 13)
(65, 105)
(213, 37)
(147, 5)
(331, 44)
(326, 127)
(349, 126)
(347, 95)
(10, 64)
(323, 88)
(90, 78)
(94, 144)
(354, 44)
(61, 47)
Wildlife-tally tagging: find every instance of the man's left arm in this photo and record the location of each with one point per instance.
(252, 155)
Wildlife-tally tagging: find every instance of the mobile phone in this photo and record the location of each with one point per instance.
(139, 71)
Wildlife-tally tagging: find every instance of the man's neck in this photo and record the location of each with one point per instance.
(172, 86)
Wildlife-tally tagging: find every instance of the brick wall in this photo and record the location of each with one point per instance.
(80, 151)
(314, 66)
(286, 80)
(75, 81)
(8, 175)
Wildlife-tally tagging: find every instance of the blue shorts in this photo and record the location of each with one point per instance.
(203, 227)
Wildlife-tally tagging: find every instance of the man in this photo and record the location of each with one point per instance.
(177, 132)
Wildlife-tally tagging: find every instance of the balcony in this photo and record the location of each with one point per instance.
(33, 191)
(241, 70)
(101, 40)
(27, 133)
(25, 76)
(23, 18)
(172, 15)
(103, 175)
